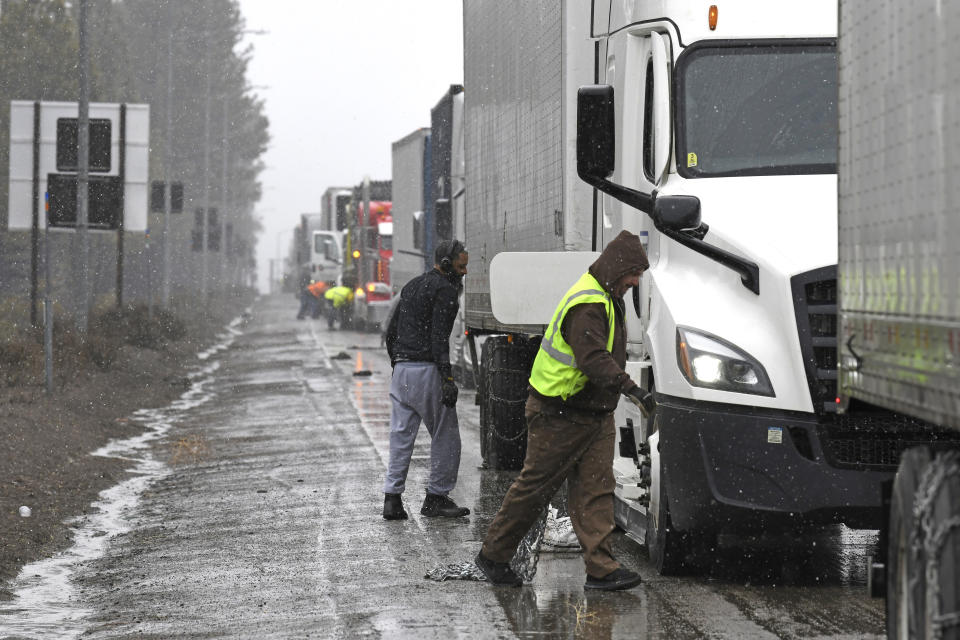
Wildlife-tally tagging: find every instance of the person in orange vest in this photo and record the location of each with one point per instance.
(317, 289)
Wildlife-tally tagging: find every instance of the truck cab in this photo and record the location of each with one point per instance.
(326, 252)
(720, 125)
(709, 131)
(371, 247)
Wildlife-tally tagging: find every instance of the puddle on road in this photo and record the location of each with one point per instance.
(45, 601)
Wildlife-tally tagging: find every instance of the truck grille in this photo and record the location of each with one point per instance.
(867, 452)
(815, 305)
(865, 437)
(876, 439)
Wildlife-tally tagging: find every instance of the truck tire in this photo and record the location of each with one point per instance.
(905, 580)
(505, 390)
(944, 547)
(669, 550)
(923, 584)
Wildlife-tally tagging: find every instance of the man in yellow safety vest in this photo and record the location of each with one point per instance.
(339, 298)
(575, 385)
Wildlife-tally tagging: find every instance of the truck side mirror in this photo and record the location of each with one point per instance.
(595, 132)
(676, 213)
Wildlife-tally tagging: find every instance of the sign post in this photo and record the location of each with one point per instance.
(44, 160)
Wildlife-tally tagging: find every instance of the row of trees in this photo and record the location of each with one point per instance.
(182, 57)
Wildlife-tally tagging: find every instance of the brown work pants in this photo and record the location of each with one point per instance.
(557, 449)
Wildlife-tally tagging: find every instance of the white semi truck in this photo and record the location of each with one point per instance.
(899, 289)
(710, 131)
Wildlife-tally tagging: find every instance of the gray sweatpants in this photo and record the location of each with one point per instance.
(415, 392)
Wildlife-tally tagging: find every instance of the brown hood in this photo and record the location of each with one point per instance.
(623, 255)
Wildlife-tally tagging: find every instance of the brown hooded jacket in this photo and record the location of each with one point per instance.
(585, 328)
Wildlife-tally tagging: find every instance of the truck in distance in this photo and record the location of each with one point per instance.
(367, 249)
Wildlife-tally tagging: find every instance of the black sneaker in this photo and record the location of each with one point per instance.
(393, 507)
(614, 581)
(442, 506)
(497, 572)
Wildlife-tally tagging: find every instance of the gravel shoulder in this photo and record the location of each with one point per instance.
(46, 441)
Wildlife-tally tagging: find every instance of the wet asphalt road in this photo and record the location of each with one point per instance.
(266, 524)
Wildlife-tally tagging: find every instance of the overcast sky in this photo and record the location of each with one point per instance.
(342, 81)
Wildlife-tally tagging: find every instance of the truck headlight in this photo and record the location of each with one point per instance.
(711, 362)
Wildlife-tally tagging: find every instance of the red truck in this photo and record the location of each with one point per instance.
(368, 247)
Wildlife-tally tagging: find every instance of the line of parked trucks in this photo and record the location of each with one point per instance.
(800, 320)
(350, 242)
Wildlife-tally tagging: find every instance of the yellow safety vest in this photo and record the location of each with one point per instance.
(555, 371)
(339, 296)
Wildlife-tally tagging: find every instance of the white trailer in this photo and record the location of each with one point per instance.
(710, 131)
(411, 179)
(899, 298)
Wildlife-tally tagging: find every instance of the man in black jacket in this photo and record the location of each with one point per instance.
(422, 388)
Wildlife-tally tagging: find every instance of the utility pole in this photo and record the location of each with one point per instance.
(83, 170)
(224, 258)
(204, 217)
(167, 168)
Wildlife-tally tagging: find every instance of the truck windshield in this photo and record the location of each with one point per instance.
(757, 110)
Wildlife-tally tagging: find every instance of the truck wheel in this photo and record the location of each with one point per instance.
(905, 579)
(923, 584)
(943, 548)
(668, 548)
(505, 388)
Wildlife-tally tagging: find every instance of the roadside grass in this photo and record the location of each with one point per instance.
(109, 329)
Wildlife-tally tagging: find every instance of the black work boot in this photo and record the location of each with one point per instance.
(614, 581)
(393, 507)
(442, 506)
(497, 572)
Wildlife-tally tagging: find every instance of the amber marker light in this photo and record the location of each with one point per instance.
(371, 287)
(712, 17)
(356, 253)
(685, 360)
